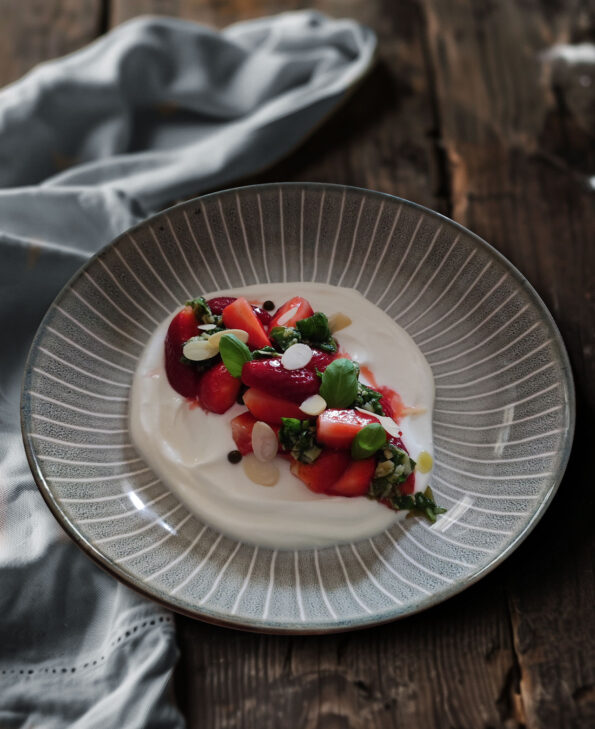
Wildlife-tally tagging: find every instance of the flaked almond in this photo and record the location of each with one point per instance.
(207, 327)
(284, 318)
(387, 423)
(296, 356)
(264, 442)
(413, 411)
(313, 405)
(264, 474)
(338, 321)
(198, 349)
(425, 462)
(214, 338)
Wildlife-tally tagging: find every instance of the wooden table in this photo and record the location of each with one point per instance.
(464, 114)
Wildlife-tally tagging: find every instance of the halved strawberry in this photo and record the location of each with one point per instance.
(408, 486)
(241, 431)
(355, 480)
(320, 360)
(270, 408)
(303, 311)
(324, 472)
(240, 315)
(218, 390)
(219, 303)
(182, 377)
(270, 375)
(337, 428)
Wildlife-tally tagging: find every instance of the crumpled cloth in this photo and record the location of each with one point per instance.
(89, 145)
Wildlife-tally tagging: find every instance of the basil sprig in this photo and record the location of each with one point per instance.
(234, 354)
(339, 383)
(370, 438)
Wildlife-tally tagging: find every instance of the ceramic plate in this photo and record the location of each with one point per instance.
(503, 417)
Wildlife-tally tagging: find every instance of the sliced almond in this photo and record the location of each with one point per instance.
(425, 462)
(207, 327)
(264, 474)
(296, 356)
(213, 340)
(387, 423)
(198, 349)
(264, 442)
(284, 318)
(413, 411)
(313, 405)
(338, 321)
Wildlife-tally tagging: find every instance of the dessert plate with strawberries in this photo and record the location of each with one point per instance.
(298, 408)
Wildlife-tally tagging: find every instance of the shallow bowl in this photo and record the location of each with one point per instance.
(503, 418)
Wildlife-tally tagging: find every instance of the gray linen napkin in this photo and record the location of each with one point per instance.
(89, 145)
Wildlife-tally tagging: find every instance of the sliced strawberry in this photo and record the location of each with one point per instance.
(219, 303)
(241, 431)
(337, 428)
(263, 316)
(270, 375)
(270, 408)
(408, 486)
(355, 480)
(182, 377)
(303, 311)
(240, 315)
(320, 360)
(218, 390)
(391, 402)
(324, 472)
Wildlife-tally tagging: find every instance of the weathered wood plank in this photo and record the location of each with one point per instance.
(518, 133)
(37, 31)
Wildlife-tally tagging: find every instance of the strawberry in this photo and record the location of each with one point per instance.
(182, 377)
(304, 310)
(337, 428)
(324, 472)
(320, 360)
(240, 315)
(218, 390)
(270, 375)
(355, 480)
(241, 431)
(391, 402)
(270, 408)
(219, 303)
(408, 486)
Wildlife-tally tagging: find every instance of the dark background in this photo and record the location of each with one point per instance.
(465, 112)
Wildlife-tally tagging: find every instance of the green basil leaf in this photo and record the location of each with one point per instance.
(314, 328)
(233, 353)
(339, 383)
(370, 438)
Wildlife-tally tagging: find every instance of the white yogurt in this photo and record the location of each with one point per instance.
(188, 448)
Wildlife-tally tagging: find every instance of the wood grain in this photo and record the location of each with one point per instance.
(37, 30)
(519, 141)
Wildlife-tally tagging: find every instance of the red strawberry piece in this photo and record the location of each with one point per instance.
(219, 303)
(182, 377)
(270, 375)
(240, 315)
(355, 480)
(218, 390)
(270, 408)
(241, 431)
(320, 360)
(408, 486)
(324, 472)
(337, 428)
(391, 402)
(304, 310)
(263, 316)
